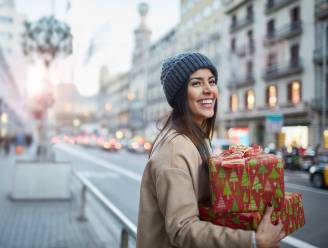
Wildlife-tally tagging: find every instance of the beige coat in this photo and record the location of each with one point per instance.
(173, 183)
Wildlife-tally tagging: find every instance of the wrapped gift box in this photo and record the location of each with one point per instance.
(244, 179)
(292, 216)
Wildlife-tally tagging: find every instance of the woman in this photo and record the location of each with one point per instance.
(175, 179)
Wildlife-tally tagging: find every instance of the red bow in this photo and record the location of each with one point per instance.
(237, 154)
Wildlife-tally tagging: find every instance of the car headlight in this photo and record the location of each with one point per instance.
(312, 169)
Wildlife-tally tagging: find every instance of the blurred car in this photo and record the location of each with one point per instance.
(139, 145)
(220, 145)
(306, 162)
(319, 171)
(112, 145)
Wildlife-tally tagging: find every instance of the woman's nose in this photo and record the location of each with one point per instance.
(207, 88)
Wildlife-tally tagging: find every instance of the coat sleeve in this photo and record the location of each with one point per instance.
(178, 204)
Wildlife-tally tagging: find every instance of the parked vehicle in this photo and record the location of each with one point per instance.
(139, 145)
(319, 171)
(112, 145)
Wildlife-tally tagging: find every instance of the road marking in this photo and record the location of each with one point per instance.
(306, 188)
(101, 162)
(297, 242)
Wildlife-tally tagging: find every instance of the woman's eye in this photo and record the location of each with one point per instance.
(212, 82)
(195, 83)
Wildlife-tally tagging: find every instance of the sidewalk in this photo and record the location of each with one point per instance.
(43, 224)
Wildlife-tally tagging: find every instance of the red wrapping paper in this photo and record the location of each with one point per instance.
(244, 179)
(292, 216)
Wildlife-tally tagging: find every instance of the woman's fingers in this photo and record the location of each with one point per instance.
(268, 212)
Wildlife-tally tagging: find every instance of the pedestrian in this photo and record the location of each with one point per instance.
(175, 179)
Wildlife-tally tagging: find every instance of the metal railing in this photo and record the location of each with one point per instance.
(276, 71)
(128, 227)
(288, 31)
(241, 23)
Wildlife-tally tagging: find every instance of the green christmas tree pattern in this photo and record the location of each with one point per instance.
(263, 170)
(278, 193)
(257, 184)
(235, 207)
(274, 174)
(252, 204)
(221, 173)
(226, 190)
(261, 206)
(280, 164)
(252, 162)
(233, 178)
(245, 179)
(245, 198)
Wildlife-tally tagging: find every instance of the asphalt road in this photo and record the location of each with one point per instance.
(118, 175)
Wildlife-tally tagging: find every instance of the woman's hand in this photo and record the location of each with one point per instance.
(267, 234)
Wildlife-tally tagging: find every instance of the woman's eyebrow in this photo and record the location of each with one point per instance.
(200, 78)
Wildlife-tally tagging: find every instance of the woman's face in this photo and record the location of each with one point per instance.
(202, 94)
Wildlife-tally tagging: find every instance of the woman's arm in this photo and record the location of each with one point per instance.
(177, 200)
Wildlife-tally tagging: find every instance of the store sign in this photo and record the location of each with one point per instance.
(274, 122)
(239, 135)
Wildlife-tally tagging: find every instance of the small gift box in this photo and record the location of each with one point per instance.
(244, 179)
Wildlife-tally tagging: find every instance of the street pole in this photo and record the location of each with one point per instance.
(324, 86)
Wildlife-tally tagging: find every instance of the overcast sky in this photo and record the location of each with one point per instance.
(110, 23)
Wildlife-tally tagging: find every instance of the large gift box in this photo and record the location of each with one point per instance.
(292, 216)
(244, 179)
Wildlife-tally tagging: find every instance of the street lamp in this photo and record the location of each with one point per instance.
(46, 39)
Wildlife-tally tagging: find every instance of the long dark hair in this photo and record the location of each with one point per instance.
(180, 119)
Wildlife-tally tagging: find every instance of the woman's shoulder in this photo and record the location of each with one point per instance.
(174, 141)
(175, 150)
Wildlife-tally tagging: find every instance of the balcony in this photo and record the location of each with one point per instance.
(279, 71)
(318, 56)
(289, 31)
(317, 103)
(275, 5)
(241, 23)
(245, 50)
(241, 81)
(321, 9)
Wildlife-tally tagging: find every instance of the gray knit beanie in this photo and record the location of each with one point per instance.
(176, 71)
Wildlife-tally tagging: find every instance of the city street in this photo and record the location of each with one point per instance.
(118, 176)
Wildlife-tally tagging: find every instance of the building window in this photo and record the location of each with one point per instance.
(233, 102)
(250, 41)
(271, 60)
(233, 44)
(249, 100)
(271, 96)
(295, 15)
(249, 69)
(294, 92)
(294, 54)
(249, 13)
(270, 28)
(233, 21)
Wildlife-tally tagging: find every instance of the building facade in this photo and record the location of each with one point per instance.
(271, 68)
